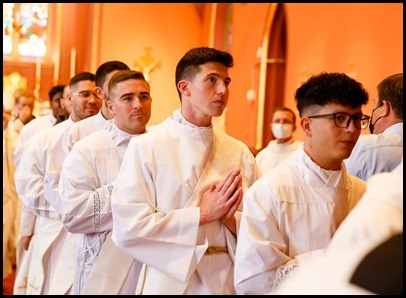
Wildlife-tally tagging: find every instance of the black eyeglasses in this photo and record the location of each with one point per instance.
(343, 120)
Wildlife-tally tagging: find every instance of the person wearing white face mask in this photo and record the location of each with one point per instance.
(282, 126)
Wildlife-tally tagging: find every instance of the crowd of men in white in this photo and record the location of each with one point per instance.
(95, 201)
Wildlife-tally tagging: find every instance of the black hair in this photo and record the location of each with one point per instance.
(327, 88)
(55, 90)
(81, 76)
(106, 68)
(188, 65)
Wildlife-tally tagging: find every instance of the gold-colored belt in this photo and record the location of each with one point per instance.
(216, 250)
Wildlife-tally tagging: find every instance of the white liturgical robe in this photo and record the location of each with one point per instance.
(84, 128)
(85, 192)
(378, 215)
(274, 154)
(292, 210)
(28, 130)
(43, 273)
(11, 203)
(155, 204)
(39, 179)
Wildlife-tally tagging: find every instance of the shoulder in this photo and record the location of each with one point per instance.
(93, 140)
(36, 121)
(267, 148)
(223, 137)
(285, 174)
(387, 187)
(261, 153)
(377, 141)
(40, 136)
(57, 131)
(154, 134)
(85, 122)
(365, 140)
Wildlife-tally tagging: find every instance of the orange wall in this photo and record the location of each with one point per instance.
(248, 27)
(363, 40)
(170, 29)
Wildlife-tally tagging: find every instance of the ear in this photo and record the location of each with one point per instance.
(99, 92)
(305, 124)
(69, 98)
(386, 108)
(183, 87)
(110, 106)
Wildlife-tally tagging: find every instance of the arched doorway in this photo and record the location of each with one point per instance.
(272, 72)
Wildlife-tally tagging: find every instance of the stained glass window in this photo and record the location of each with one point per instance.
(25, 29)
(8, 30)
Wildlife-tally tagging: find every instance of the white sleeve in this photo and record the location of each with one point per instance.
(85, 204)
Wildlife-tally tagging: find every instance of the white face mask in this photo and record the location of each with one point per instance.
(282, 131)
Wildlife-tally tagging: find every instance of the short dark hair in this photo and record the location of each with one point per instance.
(106, 68)
(188, 65)
(124, 75)
(81, 76)
(330, 88)
(55, 90)
(391, 90)
(286, 109)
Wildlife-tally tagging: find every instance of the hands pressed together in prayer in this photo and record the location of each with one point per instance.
(220, 202)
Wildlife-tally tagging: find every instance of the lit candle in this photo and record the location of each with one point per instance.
(38, 72)
(72, 62)
(56, 68)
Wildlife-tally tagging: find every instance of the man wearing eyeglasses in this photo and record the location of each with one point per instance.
(48, 267)
(294, 209)
(382, 150)
(96, 122)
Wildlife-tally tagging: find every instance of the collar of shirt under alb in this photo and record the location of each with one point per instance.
(120, 137)
(178, 117)
(329, 177)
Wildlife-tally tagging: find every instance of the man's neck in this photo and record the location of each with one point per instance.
(283, 141)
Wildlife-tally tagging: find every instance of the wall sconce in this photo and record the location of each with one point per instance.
(252, 93)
